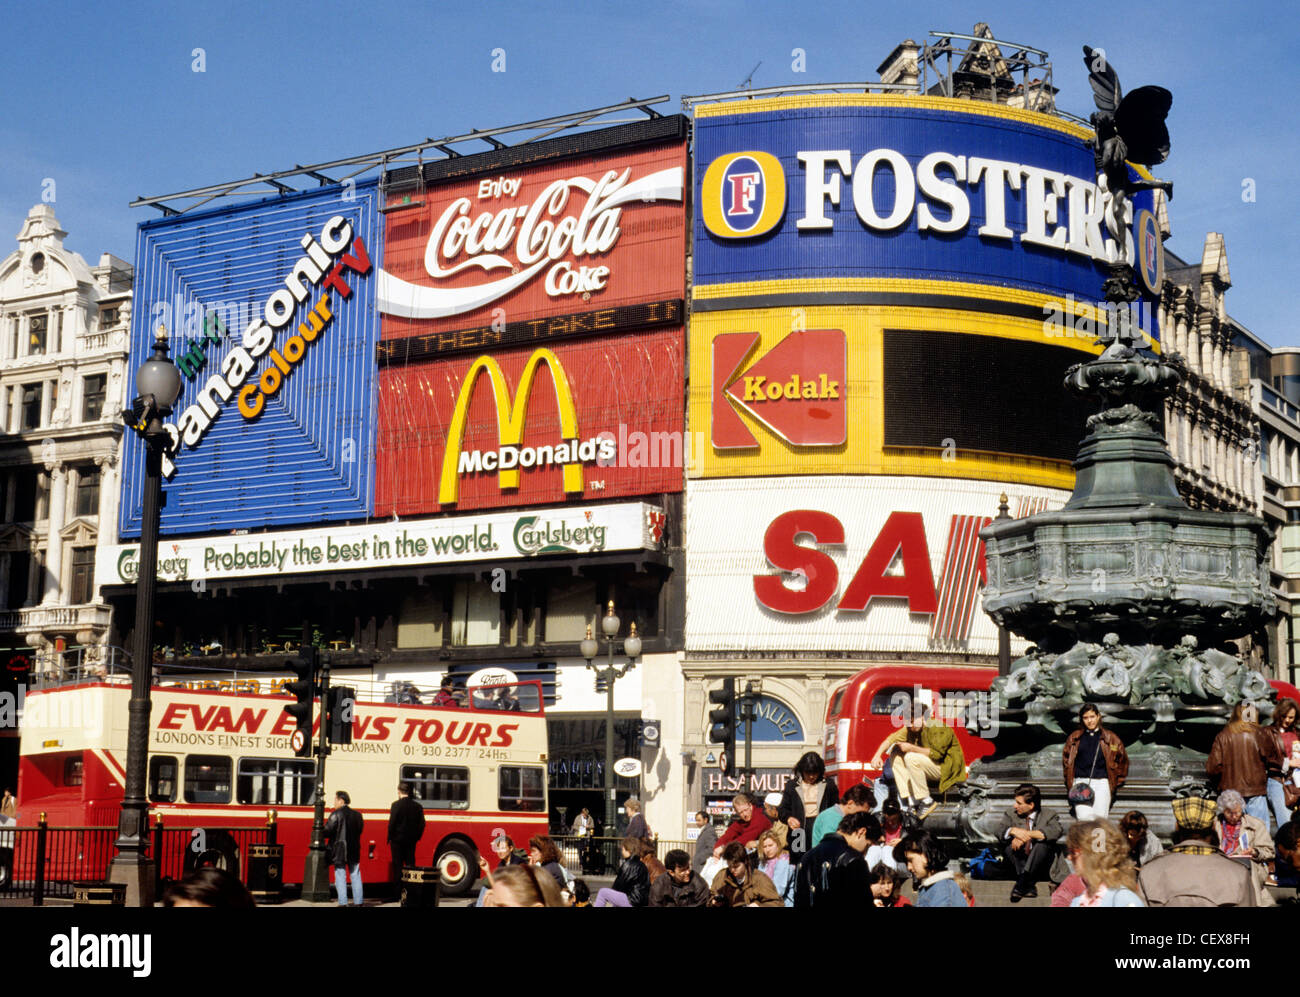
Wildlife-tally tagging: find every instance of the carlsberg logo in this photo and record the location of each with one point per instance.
(553, 538)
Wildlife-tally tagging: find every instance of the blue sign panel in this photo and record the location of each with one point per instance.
(910, 189)
(270, 315)
(774, 721)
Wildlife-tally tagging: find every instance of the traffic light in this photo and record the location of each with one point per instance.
(303, 689)
(339, 710)
(723, 724)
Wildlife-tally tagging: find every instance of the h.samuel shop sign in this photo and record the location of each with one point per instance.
(499, 537)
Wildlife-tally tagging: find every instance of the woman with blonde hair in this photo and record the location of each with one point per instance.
(523, 886)
(774, 861)
(1109, 877)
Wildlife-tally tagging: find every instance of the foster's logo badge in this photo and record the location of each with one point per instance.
(743, 195)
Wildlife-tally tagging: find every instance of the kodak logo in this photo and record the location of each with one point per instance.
(795, 391)
(758, 390)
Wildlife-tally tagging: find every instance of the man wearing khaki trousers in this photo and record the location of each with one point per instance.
(925, 758)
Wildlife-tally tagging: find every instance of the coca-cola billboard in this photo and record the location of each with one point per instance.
(590, 232)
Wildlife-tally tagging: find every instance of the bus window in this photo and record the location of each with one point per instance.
(883, 703)
(438, 788)
(207, 779)
(837, 701)
(162, 779)
(280, 781)
(523, 788)
(73, 770)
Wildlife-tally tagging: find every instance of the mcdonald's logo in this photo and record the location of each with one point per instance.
(509, 457)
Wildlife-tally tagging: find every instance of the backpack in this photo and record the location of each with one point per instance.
(986, 865)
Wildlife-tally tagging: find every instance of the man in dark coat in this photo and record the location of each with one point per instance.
(835, 873)
(405, 828)
(343, 837)
(1030, 832)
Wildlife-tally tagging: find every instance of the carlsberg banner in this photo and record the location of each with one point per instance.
(495, 537)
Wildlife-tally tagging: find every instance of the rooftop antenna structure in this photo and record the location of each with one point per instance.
(744, 85)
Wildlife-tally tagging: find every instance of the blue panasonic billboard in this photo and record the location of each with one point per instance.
(904, 189)
(270, 313)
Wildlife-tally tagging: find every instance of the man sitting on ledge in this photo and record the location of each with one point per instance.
(922, 755)
(1031, 832)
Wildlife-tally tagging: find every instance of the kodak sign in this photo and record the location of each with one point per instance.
(796, 390)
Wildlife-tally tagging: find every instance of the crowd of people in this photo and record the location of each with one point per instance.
(807, 846)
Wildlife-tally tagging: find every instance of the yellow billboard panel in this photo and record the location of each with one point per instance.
(882, 389)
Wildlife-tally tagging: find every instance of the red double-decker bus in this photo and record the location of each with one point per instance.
(222, 759)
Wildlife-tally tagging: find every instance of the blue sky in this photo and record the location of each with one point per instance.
(103, 98)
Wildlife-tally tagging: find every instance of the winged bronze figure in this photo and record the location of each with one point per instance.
(1128, 127)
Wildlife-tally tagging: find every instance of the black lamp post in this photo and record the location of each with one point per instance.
(158, 383)
(609, 625)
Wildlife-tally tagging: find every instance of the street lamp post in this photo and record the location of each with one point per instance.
(609, 625)
(158, 384)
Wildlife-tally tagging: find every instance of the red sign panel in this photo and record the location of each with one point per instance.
(590, 232)
(797, 389)
(575, 420)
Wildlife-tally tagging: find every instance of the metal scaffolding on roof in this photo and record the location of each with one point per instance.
(264, 184)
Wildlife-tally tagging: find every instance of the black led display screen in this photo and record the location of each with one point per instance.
(982, 392)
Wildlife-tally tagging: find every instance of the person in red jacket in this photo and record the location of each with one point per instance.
(745, 827)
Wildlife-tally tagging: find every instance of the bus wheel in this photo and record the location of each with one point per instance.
(6, 867)
(212, 849)
(457, 868)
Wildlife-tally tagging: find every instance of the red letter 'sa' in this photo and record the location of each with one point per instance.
(782, 552)
(905, 531)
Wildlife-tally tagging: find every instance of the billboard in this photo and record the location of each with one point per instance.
(886, 563)
(574, 420)
(460, 295)
(532, 347)
(597, 231)
(525, 533)
(855, 389)
(269, 308)
(871, 199)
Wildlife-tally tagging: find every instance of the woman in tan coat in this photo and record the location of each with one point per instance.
(1242, 836)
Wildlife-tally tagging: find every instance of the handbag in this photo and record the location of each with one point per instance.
(1290, 794)
(1081, 793)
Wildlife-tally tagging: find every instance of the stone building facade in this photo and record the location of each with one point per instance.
(1210, 425)
(63, 351)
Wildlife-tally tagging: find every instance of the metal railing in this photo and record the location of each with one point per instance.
(44, 862)
(585, 854)
(180, 849)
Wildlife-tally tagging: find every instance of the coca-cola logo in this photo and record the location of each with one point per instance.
(570, 221)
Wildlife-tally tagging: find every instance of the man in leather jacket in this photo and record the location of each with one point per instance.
(682, 887)
(343, 834)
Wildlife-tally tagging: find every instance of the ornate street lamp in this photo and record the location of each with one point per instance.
(609, 625)
(158, 384)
